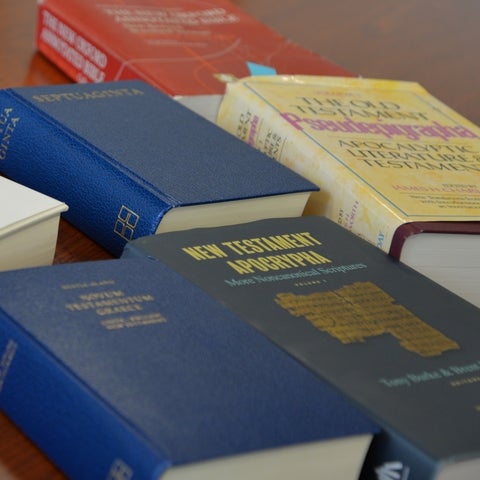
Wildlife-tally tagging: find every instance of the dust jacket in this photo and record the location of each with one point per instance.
(182, 47)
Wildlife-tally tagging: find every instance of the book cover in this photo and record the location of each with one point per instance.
(186, 47)
(400, 346)
(124, 369)
(28, 224)
(385, 153)
(129, 160)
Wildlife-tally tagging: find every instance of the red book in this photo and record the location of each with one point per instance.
(447, 252)
(182, 47)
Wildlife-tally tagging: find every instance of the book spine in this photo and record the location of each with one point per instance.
(79, 56)
(341, 198)
(107, 203)
(80, 433)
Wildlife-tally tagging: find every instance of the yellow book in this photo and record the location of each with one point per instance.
(394, 164)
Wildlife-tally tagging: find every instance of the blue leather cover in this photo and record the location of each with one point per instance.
(125, 363)
(121, 154)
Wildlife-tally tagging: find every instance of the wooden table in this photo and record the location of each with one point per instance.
(434, 42)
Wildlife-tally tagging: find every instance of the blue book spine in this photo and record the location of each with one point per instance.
(82, 435)
(108, 203)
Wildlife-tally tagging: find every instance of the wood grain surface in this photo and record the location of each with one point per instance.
(434, 42)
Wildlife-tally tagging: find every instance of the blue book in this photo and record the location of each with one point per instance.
(129, 161)
(124, 369)
(404, 349)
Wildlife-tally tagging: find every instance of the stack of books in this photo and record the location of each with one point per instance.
(294, 293)
(394, 164)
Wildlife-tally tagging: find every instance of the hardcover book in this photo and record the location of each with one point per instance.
(395, 165)
(29, 221)
(124, 369)
(182, 47)
(401, 347)
(130, 161)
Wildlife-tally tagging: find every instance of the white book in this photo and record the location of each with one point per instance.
(29, 223)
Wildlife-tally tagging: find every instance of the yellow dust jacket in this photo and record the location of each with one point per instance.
(383, 152)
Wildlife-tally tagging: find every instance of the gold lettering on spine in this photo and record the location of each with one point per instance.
(8, 124)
